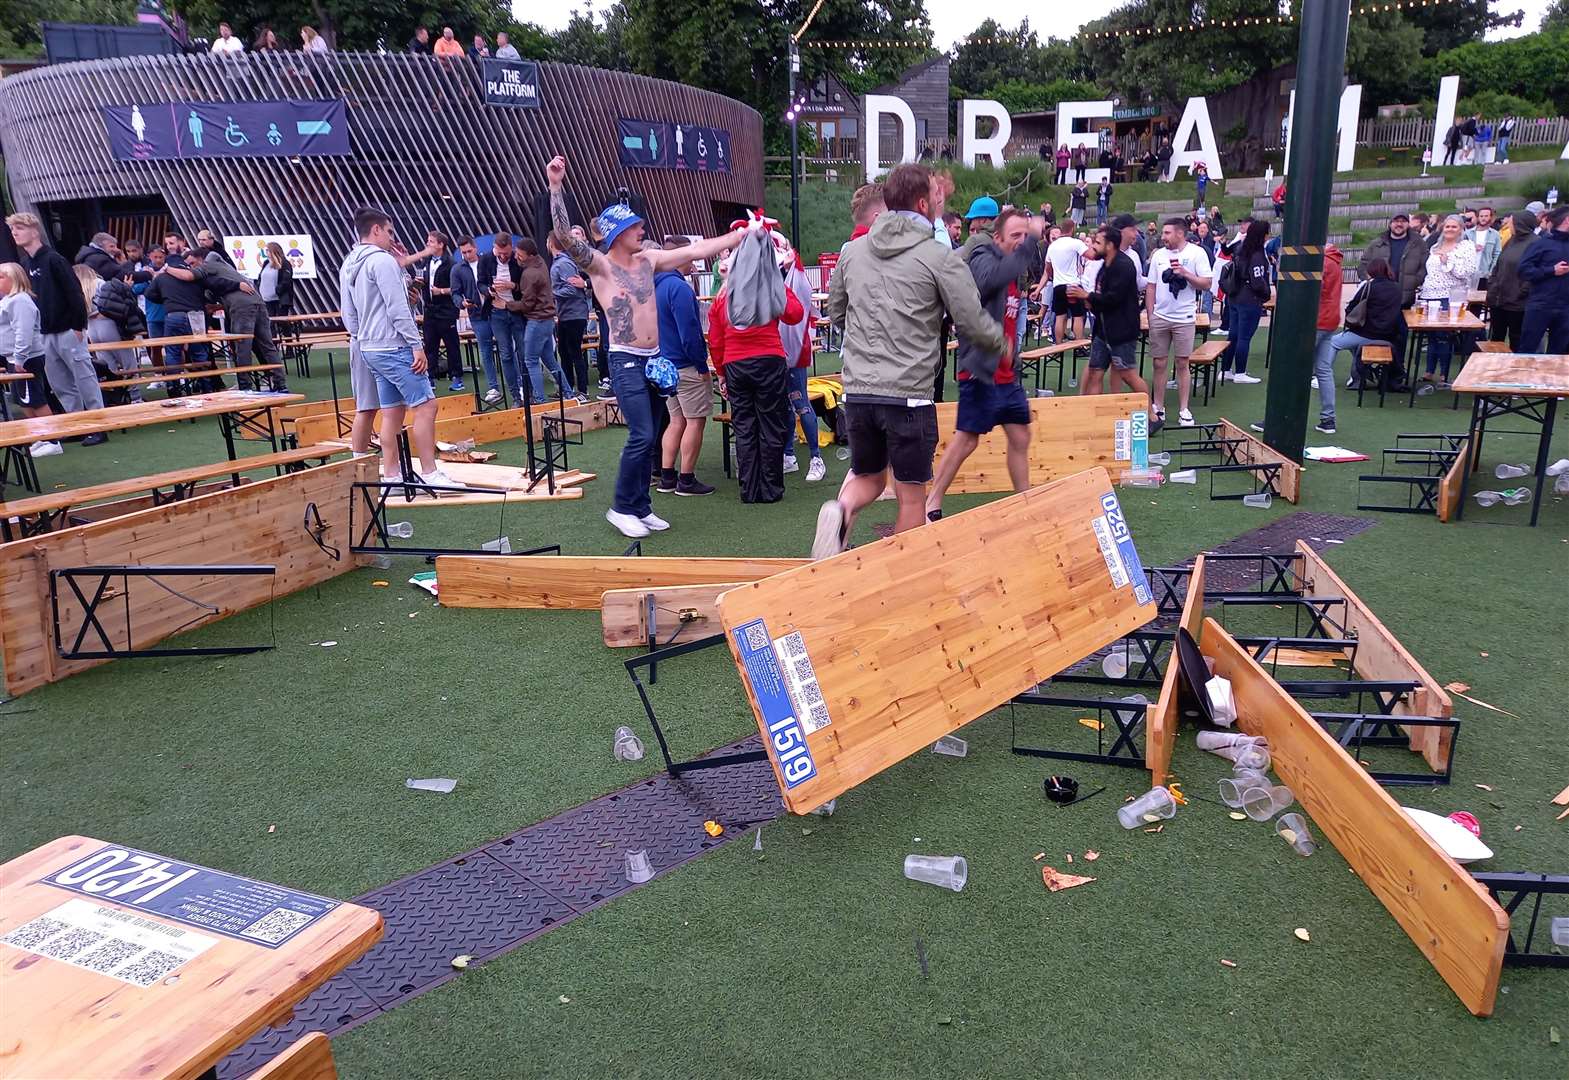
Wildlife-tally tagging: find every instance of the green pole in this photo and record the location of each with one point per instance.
(1321, 64)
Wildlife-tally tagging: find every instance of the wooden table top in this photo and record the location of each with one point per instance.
(1418, 320)
(139, 414)
(310, 316)
(115, 966)
(1200, 321)
(148, 343)
(1532, 375)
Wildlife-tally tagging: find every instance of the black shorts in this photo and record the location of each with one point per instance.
(1061, 305)
(1103, 356)
(983, 406)
(34, 393)
(893, 435)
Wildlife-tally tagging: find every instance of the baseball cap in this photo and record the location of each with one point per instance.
(1400, 217)
(983, 207)
(614, 220)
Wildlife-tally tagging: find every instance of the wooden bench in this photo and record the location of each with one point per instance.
(1037, 358)
(53, 511)
(1377, 356)
(1204, 363)
(1493, 346)
(183, 374)
(723, 420)
(308, 1059)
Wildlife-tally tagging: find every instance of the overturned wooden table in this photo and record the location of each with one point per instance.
(117, 962)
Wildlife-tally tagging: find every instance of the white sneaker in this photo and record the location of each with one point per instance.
(626, 524)
(816, 470)
(492, 396)
(1185, 418)
(1244, 377)
(830, 523)
(45, 448)
(791, 464)
(437, 477)
(653, 522)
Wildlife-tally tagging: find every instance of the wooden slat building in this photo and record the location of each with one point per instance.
(424, 147)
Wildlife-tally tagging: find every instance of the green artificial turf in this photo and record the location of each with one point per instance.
(802, 962)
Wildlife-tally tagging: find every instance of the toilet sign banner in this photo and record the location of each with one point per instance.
(208, 129)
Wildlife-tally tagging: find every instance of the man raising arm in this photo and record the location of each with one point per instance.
(622, 277)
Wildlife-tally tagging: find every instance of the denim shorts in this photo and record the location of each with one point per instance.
(396, 383)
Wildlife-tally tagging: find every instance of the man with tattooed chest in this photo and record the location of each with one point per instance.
(622, 277)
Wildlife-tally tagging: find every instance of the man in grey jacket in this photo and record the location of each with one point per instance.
(890, 292)
(990, 392)
(374, 300)
(571, 293)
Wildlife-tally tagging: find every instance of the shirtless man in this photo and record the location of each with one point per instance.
(622, 276)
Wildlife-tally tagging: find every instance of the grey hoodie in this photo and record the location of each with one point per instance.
(890, 292)
(571, 301)
(19, 337)
(375, 302)
(993, 272)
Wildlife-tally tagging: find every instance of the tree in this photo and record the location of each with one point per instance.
(993, 56)
(1556, 17)
(594, 42)
(1531, 67)
(22, 36)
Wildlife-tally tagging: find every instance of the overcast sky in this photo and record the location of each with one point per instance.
(952, 19)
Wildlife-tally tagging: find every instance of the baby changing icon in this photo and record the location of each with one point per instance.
(274, 136)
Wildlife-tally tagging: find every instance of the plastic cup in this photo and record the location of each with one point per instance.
(946, 871)
(1238, 784)
(1155, 803)
(1511, 472)
(627, 746)
(1115, 665)
(951, 746)
(1293, 829)
(1262, 803)
(501, 545)
(1216, 740)
(401, 529)
(827, 809)
(1184, 476)
(638, 869)
(1249, 758)
(1560, 930)
(1260, 501)
(1162, 458)
(843, 453)
(1044, 392)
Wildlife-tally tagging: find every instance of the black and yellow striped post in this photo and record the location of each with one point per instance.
(1321, 65)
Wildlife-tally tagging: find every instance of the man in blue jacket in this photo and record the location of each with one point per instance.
(1546, 267)
(469, 299)
(681, 341)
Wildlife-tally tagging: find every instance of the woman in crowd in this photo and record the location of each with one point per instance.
(275, 283)
(313, 42)
(1249, 289)
(22, 350)
(1382, 320)
(1506, 290)
(266, 40)
(1451, 264)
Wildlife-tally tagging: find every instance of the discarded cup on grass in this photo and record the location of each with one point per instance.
(1184, 476)
(401, 529)
(827, 809)
(843, 453)
(947, 871)
(502, 545)
(1143, 478)
(1261, 501)
(1511, 472)
(1217, 740)
(1222, 706)
(1255, 758)
(1293, 829)
(1115, 664)
(1239, 783)
(638, 869)
(1161, 458)
(1263, 803)
(1154, 805)
(951, 746)
(1044, 392)
(381, 562)
(1559, 467)
(1561, 484)
(1509, 496)
(438, 784)
(627, 746)
(1560, 930)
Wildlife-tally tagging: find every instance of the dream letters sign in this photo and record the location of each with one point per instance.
(511, 82)
(206, 129)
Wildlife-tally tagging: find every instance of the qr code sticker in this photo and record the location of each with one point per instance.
(813, 695)
(69, 944)
(792, 645)
(804, 670)
(151, 966)
(276, 925)
(110, 955)
(756, 637)
(819, 717)
(30, 935)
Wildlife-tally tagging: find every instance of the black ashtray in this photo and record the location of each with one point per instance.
(1061, 789)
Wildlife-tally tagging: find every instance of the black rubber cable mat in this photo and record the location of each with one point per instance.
(486, 902)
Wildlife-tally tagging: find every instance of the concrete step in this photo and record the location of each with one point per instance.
(1163, 206)
(1500, 171)
(1407, 199)
(1394, 184)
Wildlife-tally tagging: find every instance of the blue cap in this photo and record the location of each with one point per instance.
(984, 207)
(614, 220)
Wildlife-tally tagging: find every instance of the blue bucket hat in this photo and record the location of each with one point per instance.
(984, 207)
(614, 220)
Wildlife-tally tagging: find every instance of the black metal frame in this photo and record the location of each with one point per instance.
(1511, 890)
(650, 660)
(1127, 716)
(374, 539)
(1421, 487)
(1356, 730)
(19, 463)
(1316, 607)
(1541, 411)
(106, 574)
(1279, 575)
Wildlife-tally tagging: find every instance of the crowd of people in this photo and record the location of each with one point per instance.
(226, 43)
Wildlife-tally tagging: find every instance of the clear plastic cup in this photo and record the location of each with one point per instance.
(1293, 829)
(843, 453)
(401, 529)
(1184, 476)
(946, 871)
(381, 562)
(501, 545)
(1217, 740)
(1250, 758)
(1238, 784)
(638, 869)
(1155, 803)
(627, 746)
(1261, 501)
(951, 746)
(1559, 929)
(1161, 458)
(1143, 478)
(1511, 472)
(1115, 664)
(827, 809)
(1262, 803)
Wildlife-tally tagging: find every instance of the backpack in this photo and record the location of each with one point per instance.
(1227, 281)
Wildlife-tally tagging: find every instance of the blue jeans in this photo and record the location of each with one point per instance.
(801, 403)
(509, 331)
(1440, 347)
(1503, 149)
(1100, 213)
(178, 324)
(1244, 322)
(1545, 329)
(539, 343)
(630, 387)
(486, 337)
